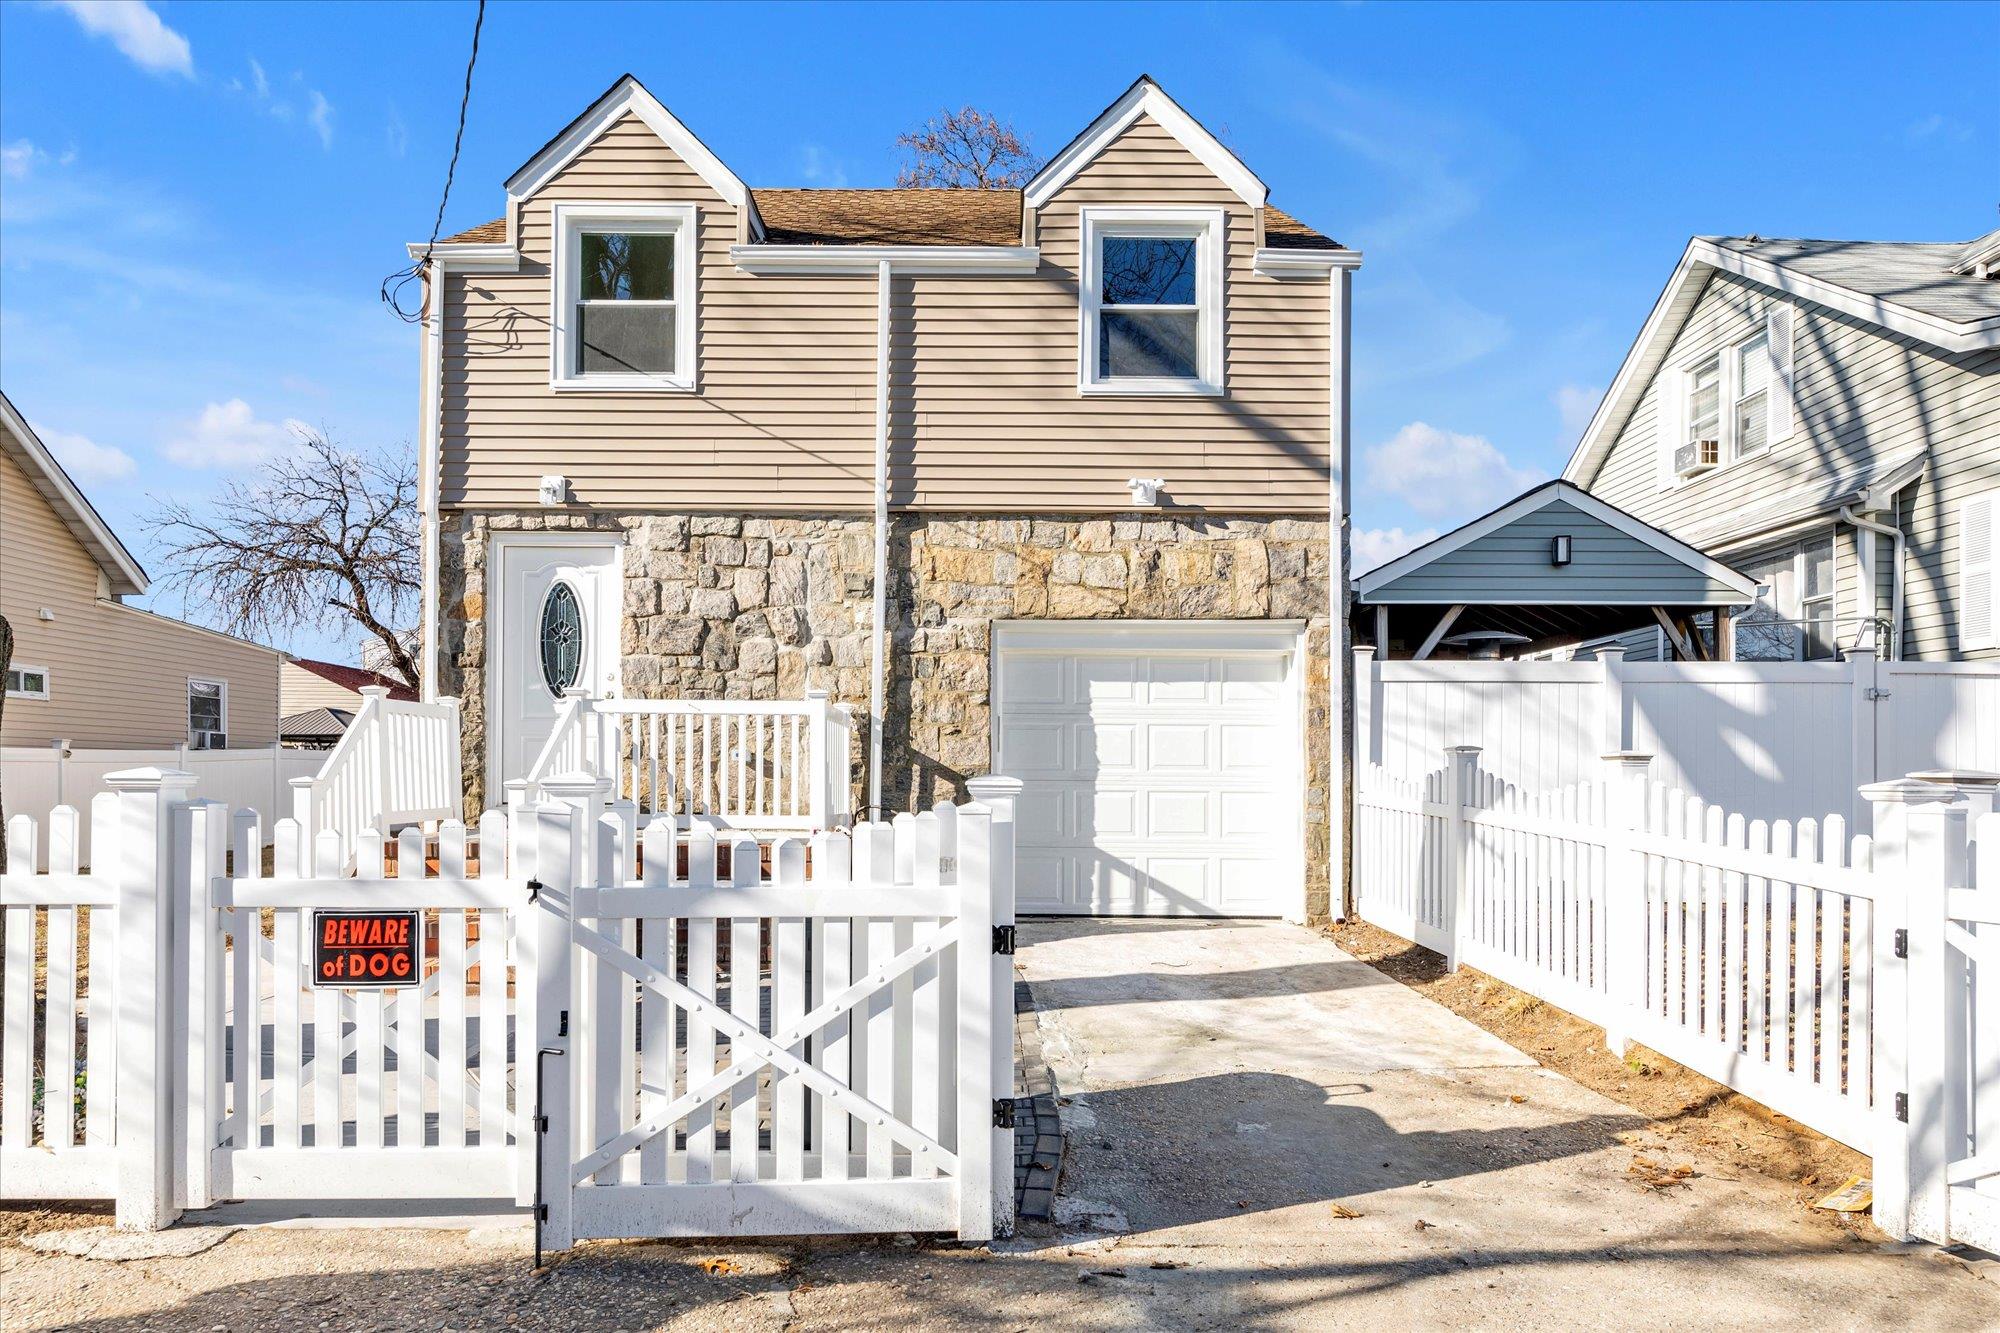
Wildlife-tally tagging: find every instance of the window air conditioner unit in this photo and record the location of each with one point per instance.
(1696, 457)
(210, 740)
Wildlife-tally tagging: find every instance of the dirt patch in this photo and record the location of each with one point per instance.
(1687, 1109)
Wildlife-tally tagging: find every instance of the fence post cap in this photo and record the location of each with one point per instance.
(575, 784)
(1958, 777)
(148, 779)
(1363, 650)
(1910, 791)
(1464, 749)
(300, 784)
(576, 692)
(374, 691)
(1628, 758)
(1610, 652)
(988, 786)
(816, 694)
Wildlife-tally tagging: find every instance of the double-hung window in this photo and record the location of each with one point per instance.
(1752, 390)
(623, 307)
(1816, 599)
(1705, 401)
(1151, 301)
(208, 714)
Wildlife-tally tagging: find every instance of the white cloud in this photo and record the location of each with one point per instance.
(1442, 473)
(136, 31)
(1576, 404)
(819, 167)
(1938, 126)
(398, 132)
(1378, 546)
(231, 435)
(319, 115)
(85, 458)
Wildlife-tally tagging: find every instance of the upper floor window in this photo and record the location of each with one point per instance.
(623, 305)
(208, 714)
(1750, 428)
(1705, 404)
(1731, 403)
(27, 682)
(1150, 293)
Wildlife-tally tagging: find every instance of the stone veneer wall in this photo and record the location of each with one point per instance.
(764, 607)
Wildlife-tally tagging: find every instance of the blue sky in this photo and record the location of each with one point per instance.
(198, 202)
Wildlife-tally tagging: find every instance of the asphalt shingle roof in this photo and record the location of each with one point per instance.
(1916, 274)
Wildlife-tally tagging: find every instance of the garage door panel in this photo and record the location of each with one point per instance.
(1157, 784)
(1178, 814)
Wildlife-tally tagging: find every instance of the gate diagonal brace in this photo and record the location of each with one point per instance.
(770, 1051)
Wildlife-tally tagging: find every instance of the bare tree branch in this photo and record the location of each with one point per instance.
(318, 536)
(967, 149)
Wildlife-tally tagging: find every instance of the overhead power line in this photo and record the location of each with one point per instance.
(398, 282)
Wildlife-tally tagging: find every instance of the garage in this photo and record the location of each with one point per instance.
(1161, 765)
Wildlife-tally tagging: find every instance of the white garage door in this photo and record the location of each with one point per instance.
(1157, 783)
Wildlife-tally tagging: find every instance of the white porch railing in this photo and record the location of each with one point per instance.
(758, 766)
(397, 764)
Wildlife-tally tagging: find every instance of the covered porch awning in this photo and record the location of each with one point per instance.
(1548, 569)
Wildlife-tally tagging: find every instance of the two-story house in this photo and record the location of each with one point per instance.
(1825, 417)
(1039, 478)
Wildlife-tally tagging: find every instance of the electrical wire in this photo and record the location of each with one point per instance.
(396, 283)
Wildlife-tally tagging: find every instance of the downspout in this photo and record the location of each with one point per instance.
(1897, 540)
(1340, 499)
(431, 436)
(878, 648)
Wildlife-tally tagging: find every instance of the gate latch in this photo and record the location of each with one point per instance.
(1903, 1107)
(1902, 943)
(1003, 939)
(1003, 1113)
(1876, 695)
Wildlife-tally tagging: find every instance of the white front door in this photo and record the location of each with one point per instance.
(1161, 774)
(557, 628)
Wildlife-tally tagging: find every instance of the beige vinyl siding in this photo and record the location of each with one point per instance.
(118, 676)
(985, 412)
(300, 690)
(1863, 394)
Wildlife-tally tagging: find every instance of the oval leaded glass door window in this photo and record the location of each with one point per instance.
(562, 638)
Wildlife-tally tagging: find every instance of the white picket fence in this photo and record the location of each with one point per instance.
(764, 766)
(1763, 954)
(1785, 740)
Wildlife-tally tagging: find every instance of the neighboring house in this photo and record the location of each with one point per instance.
(1825, 417)
(1098, 412)
(87, 668)
(318, 699)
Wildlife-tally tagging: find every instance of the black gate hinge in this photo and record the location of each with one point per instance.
(1902, 943)
(534, 889)
(1003, 1113)
(541, 1124)
(562, 1026)
(1903, 1107)
(1003, 939)
(541, 1212)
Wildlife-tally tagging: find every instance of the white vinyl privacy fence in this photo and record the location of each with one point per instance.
(1780, 740)
(1833, 976)
(601, 1016)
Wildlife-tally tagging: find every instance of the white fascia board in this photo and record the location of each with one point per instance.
(628, 95)
(1303, 263)
(471, 256)
(978, 261)
(124, 571)
(1539, 498)
(1145, 98)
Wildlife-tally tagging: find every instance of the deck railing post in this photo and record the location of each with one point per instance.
(1624, 961)
(1460, 764)
(819, 760)
(147, 853)
(304, 800)
(373, 721)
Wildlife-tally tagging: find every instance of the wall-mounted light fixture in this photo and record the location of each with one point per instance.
(555, 490)
(1146, 490)
(1559, 549)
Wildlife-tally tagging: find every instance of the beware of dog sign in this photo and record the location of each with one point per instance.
(366, 949)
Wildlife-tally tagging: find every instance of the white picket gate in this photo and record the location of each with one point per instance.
(850, 1088)
(693, 1088)
(1832, 977)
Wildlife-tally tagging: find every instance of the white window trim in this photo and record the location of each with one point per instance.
(1209, 228)
(569, 221)
(222, 687)
(25, 668)
(1736, 396)
(1780, 411)
(1967, 643)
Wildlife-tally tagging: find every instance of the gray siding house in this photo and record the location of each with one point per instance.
(1825, 417)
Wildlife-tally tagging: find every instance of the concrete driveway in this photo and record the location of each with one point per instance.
(1231, 1083)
